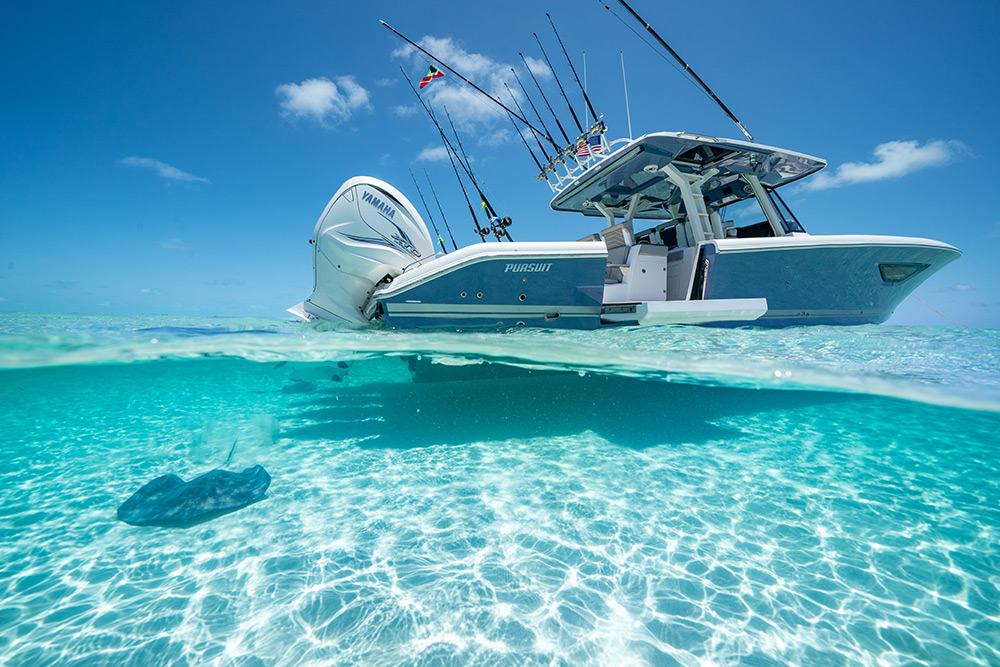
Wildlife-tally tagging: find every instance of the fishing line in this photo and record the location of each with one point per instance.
(657, 51)
(428, 209)
(939, 312)
(446, 225)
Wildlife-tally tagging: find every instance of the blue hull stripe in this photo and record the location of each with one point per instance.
(487, 291)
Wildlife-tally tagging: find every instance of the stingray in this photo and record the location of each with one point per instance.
(170, 501)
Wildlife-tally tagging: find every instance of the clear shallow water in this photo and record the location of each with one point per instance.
(667, 496)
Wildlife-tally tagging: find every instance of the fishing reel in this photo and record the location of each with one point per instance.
(499, 227)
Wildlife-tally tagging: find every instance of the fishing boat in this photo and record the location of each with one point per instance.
(665, 249)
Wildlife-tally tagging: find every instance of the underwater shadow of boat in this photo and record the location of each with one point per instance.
(626, 411)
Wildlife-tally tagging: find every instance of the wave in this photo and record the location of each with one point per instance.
(942, 366)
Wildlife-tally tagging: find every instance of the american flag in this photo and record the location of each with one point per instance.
(596, 145)
(583, 148)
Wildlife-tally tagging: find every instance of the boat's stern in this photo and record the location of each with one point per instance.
(524, 283)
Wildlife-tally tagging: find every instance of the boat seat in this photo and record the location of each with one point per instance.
(618, 255)
(615, 273)
(618, 238)
(618, 235)
(680, 235)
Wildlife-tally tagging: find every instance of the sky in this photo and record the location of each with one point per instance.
(173, 158)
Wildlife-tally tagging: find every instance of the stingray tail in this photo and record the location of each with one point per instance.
(231, 452)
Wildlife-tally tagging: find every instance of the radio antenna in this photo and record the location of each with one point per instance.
(572, 69)
(628, 113)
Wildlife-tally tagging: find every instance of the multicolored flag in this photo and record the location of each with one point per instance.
(582, 148)
(432, 73)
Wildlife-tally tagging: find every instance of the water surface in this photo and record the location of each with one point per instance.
(670, 496)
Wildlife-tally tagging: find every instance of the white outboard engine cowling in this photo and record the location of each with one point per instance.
(368, 232)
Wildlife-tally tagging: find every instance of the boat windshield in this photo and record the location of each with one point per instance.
(747, 219)
(788, 220)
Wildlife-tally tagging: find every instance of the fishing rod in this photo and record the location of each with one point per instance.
(573, 113)
(527, 97)
(429, 215)
(446, 225)
(558, 156)
(525, 142)
(449, 149)
(477, 88)
(687, 68)
(479, 230)
(544, 154)
(546, 100)
(498, 225)
(573, 69)
(465, 156)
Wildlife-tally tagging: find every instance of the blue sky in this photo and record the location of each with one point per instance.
(174, 157)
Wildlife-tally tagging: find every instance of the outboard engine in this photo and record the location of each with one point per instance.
(368, 232)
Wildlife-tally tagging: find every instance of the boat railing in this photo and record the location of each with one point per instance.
(578, 157)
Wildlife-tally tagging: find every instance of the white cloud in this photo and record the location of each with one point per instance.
(893, 159)
(162, 169)
(322, 100)
(403, 110)
(174, 244)
(438, 154)
(382, 83)
(468, 108)
(962, 288)
(538, 67)
(497, 138)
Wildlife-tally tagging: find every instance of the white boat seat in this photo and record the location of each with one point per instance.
(618, 235)
(615, 273)
(681, 235)
(618, 255)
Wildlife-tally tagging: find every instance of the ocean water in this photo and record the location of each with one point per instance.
(663, 496)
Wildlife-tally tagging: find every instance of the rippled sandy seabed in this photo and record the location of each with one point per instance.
(675, 496)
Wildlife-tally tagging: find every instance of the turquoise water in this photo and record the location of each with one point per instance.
(670, 496)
